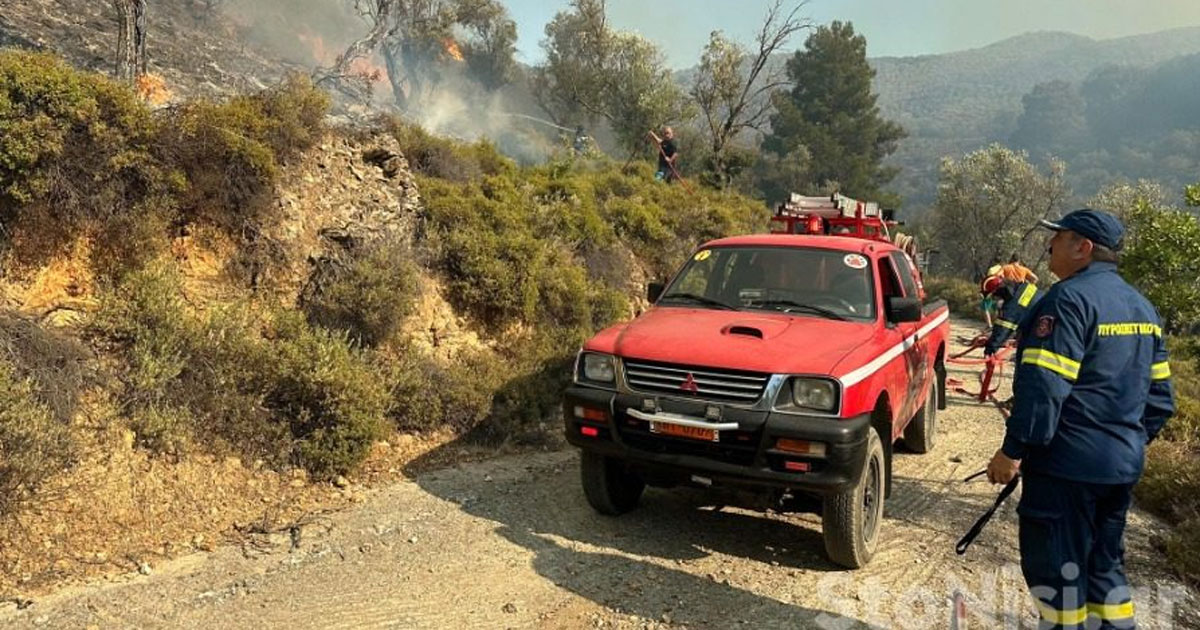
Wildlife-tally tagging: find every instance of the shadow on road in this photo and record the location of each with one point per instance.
(624, 563)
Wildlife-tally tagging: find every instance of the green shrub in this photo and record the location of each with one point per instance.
(524, 403)
(367, 297)
(961, 295)
(300, 395)
(333, 401)
(508, 244)
(427, 395)
(52, 115)
(34, 445)
(81, 154)
(491, 398)
(554, 248)
(76, 149)
(1160, 260)
(1183, 550)
(1184, 426)
(230, 152)
(187, 379)
(1170, 485)
(447, 159)
(57, 366)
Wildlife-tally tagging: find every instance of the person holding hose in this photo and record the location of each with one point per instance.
(668, 155)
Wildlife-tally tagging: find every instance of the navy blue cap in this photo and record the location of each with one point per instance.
(1099, 227)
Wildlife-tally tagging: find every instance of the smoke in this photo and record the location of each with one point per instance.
(308, 32)
(463, 109)
(313, 33)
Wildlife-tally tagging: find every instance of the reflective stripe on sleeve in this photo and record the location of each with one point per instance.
(1160, 371)
(1027, 296)
(1057, 363)
(1111, 612)
(1005, 324)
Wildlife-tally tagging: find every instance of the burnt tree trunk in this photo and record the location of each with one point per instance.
(397, 77)
(131, 39)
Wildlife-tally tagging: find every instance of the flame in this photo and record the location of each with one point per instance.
(366, 69)
(153, 90)
(452, 49)
(323, 54)
(316, 45)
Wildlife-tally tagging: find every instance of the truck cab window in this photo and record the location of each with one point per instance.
(906, 274)
(888, 283)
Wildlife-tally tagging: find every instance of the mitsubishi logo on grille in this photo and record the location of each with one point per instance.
(689, 384)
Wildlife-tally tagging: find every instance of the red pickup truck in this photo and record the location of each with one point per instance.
(783, 364)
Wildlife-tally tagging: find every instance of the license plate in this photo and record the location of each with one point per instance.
(679, 430)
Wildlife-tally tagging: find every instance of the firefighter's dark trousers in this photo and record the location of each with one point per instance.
(1073, 552)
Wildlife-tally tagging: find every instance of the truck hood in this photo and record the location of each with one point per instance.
(753, 341)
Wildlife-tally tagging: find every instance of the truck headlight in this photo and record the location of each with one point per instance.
(598, 368)
(814, 393)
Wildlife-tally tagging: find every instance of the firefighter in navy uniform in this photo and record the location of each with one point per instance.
(1017, 298)
(1092, 388)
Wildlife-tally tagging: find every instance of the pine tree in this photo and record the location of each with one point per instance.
(831, 112)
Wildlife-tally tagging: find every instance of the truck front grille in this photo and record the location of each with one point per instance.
(704, 383)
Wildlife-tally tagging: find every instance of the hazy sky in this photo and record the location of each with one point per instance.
(892, 27)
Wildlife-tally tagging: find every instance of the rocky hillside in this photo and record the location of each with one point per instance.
(256, 301)
(197, 51)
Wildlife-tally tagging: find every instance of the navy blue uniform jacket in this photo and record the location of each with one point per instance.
(1093, 385)
(1024, 296)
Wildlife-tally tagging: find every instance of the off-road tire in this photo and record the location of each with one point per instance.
(920, 435)
(610, 488)
(851, 520)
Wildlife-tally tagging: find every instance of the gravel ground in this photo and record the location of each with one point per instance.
(511, 543)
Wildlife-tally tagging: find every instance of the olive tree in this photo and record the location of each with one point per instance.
(593, 73)
(1160, 259)
(732, 87)
(988, 206)
(422, 40)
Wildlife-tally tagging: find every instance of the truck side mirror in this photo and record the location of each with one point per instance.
(654, 290)
(903, 309)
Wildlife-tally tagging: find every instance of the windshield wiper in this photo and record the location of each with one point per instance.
(701, 299)
(819, 310)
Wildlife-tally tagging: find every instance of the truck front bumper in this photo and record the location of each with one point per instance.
(746, 456)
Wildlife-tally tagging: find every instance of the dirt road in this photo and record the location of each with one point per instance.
(511, 543)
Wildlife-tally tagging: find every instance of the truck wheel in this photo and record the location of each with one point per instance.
(610, 489)
(851, 519)
(921, 433)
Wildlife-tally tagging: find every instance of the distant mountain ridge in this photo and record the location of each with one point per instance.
(952, 103)
(957, 102)
(966, 91)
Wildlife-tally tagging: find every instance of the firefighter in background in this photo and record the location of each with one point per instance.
(1016, 298)
(1092, 389)
(580, 144)
(988, 303)
(1017, 272)
(668, 155)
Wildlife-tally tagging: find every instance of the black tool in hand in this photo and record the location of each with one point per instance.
(975, 530)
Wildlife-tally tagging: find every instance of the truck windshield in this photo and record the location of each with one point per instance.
(810, 282)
